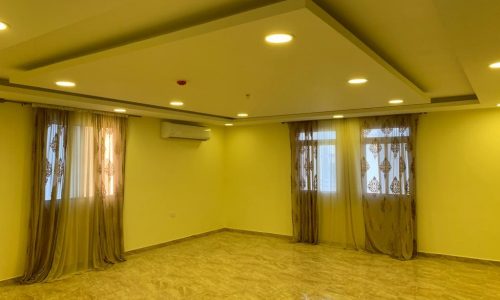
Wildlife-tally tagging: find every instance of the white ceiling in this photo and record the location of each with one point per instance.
(134, 51)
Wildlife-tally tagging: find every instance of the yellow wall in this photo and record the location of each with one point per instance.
(15, 186)
(173, 188)
(258, 178)
(458, 173)
(458, 187)
(241, 179)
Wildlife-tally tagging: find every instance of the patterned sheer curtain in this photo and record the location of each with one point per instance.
(304, 151)
(77, 203)
(388, 184)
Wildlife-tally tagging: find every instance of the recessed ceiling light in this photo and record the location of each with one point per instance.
(3, 26)
(279, 38)
(498, 105)
(228, 124)
(120, 110)
(242, 115)
(65, 83)
(495, 65)
(395, 101)
(357, 81)
(176, 103)
(208, 129)
(338, 116)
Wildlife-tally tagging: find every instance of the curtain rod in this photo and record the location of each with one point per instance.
(68, 108)
(419, 113)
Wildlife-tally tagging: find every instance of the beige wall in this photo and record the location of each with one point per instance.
(173, 188)
(458, 173)
(258, 178)
(15, 171)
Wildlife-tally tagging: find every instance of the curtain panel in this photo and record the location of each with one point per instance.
(304, 151)
(388, 178)
(353, 183)
(339, 194)
(77, 195)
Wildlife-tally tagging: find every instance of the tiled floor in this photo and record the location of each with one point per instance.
(230, 265)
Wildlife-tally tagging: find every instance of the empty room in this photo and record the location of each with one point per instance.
(250, 149)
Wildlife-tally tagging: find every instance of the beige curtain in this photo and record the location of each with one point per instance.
(304, 147)
(339, 194)
(82, 199)
(388, 179)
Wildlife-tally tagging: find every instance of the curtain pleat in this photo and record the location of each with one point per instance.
(79, 183)
(304, 148)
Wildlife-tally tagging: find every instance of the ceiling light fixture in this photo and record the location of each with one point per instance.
(498, 105)
(120, 110)
(65, 83)
(228, 124)
(395, 101)
(176, 103)
(3, 26)
(279, 38)
(242, 115)
(338, 116)
(357, 81)
(495, 65)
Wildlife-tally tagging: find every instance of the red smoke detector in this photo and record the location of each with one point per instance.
(181, 82)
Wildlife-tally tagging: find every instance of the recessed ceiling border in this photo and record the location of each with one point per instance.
(218, 24)
(37, 95)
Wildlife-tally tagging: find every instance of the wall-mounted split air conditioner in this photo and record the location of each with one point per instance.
(182, 131)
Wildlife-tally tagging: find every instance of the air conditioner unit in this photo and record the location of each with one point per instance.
(182, 131)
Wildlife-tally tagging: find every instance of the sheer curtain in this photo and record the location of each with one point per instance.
(304, 148)
(339, 194)
(353, 183)
(388, 178)
(82, 202)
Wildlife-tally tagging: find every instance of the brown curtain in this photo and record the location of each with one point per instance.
(388, 184)
(304, 152)
(77, 203)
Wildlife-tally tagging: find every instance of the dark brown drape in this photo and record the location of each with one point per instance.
(388, 179)
(304, 152)
(76, 220)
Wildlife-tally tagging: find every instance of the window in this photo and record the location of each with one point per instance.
(385, 161)
(82, 161)
(326, 159)
(55, 161)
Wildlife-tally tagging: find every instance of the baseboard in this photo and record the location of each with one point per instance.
(10, 281)
(195, 236)
(460, 258)
(156, 246)
(276, 235)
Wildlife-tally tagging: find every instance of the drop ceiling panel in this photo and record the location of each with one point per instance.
(410, 36)
(233, 70)
(473, 29)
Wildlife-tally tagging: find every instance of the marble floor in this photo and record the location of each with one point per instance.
(231, 265)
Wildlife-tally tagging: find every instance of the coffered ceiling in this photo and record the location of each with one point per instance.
(432, 54)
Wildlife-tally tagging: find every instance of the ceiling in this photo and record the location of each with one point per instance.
(434, 54)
